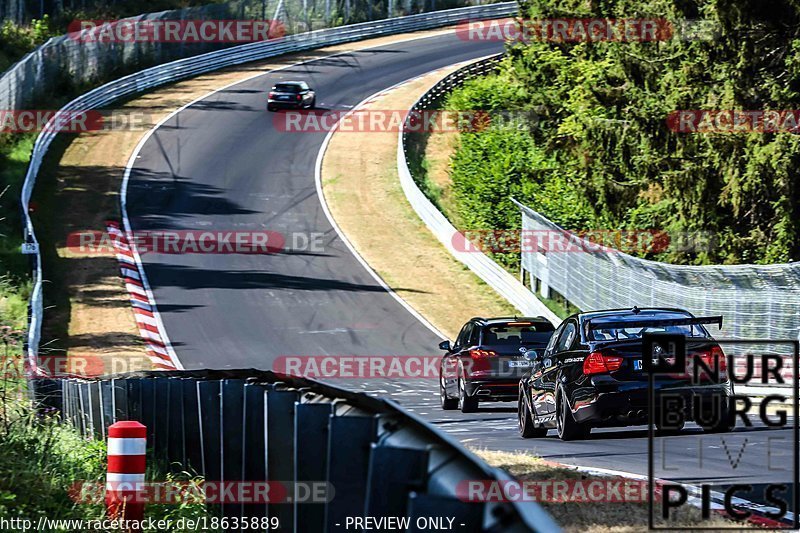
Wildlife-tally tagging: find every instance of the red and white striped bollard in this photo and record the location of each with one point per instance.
(127, 442)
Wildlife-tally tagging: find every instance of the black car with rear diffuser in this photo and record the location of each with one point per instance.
(591, 374)
(485, 363)
(291, 95)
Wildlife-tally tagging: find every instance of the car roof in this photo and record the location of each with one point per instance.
(290, 83)
(505, 319)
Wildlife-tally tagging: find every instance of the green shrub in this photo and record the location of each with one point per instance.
(601, 154)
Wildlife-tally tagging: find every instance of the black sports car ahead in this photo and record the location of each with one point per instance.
(591, 374)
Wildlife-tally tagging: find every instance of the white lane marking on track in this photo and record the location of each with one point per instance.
(136, 154)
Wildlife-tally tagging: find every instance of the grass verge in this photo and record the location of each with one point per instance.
(591, 517)
(362, 190)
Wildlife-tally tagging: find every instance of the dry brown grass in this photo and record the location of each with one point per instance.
(438, 151)
(362, 189)
(611, 517)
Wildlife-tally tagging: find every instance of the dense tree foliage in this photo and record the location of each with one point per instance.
(601, 154)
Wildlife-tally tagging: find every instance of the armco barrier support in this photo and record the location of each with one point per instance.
(258, 426)
(280, 443)
(348, 466)
(310, 458)
(394, 473)
(232, 437)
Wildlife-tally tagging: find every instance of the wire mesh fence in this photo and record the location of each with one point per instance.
(756, 301)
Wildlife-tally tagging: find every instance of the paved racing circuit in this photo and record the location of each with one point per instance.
(221, 165)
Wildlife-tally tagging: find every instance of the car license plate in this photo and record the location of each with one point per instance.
(637, 364)
(285, 97)
(519, 364)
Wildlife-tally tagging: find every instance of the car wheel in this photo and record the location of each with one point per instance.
(313, 103)
(527, 430)
(448, 404)
(466, 404)
(270, 108)
(724, 424)
(567, 427)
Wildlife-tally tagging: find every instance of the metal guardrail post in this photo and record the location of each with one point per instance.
(119, 388)
(134, 395)
(84, 410)
(106, 404)
(95, 409)
(254, 454)
(280, 444)
(161, 420)
(232, 443)
(148, 406)
(348, 466)
(175, 444)
(192, 437)
(209, 394)
(311, 458)
(393, 474)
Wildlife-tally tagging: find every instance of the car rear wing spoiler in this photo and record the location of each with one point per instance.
(644, 322)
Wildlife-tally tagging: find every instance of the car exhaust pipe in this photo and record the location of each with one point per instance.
(640, 413)
(631, 414)
(482, 393)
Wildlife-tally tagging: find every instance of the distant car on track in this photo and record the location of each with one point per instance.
(591, 375)
(486, 362)
(291, 95)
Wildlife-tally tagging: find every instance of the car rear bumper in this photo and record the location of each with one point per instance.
(493, 390)
(284, 104)
(630, 406)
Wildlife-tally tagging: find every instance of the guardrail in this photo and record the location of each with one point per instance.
(482, 265)
(249, 426)
(185, 68)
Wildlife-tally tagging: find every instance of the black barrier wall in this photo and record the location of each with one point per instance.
(374, 458)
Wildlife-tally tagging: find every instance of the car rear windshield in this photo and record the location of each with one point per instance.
(288, 88)
(504, 335)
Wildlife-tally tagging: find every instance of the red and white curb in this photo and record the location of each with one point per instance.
(144, 310)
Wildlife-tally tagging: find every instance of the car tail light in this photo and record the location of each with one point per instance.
(482, 354)
(715, 357)
(479, 361)
(597, 363)
(271, 95)
(299, 97)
